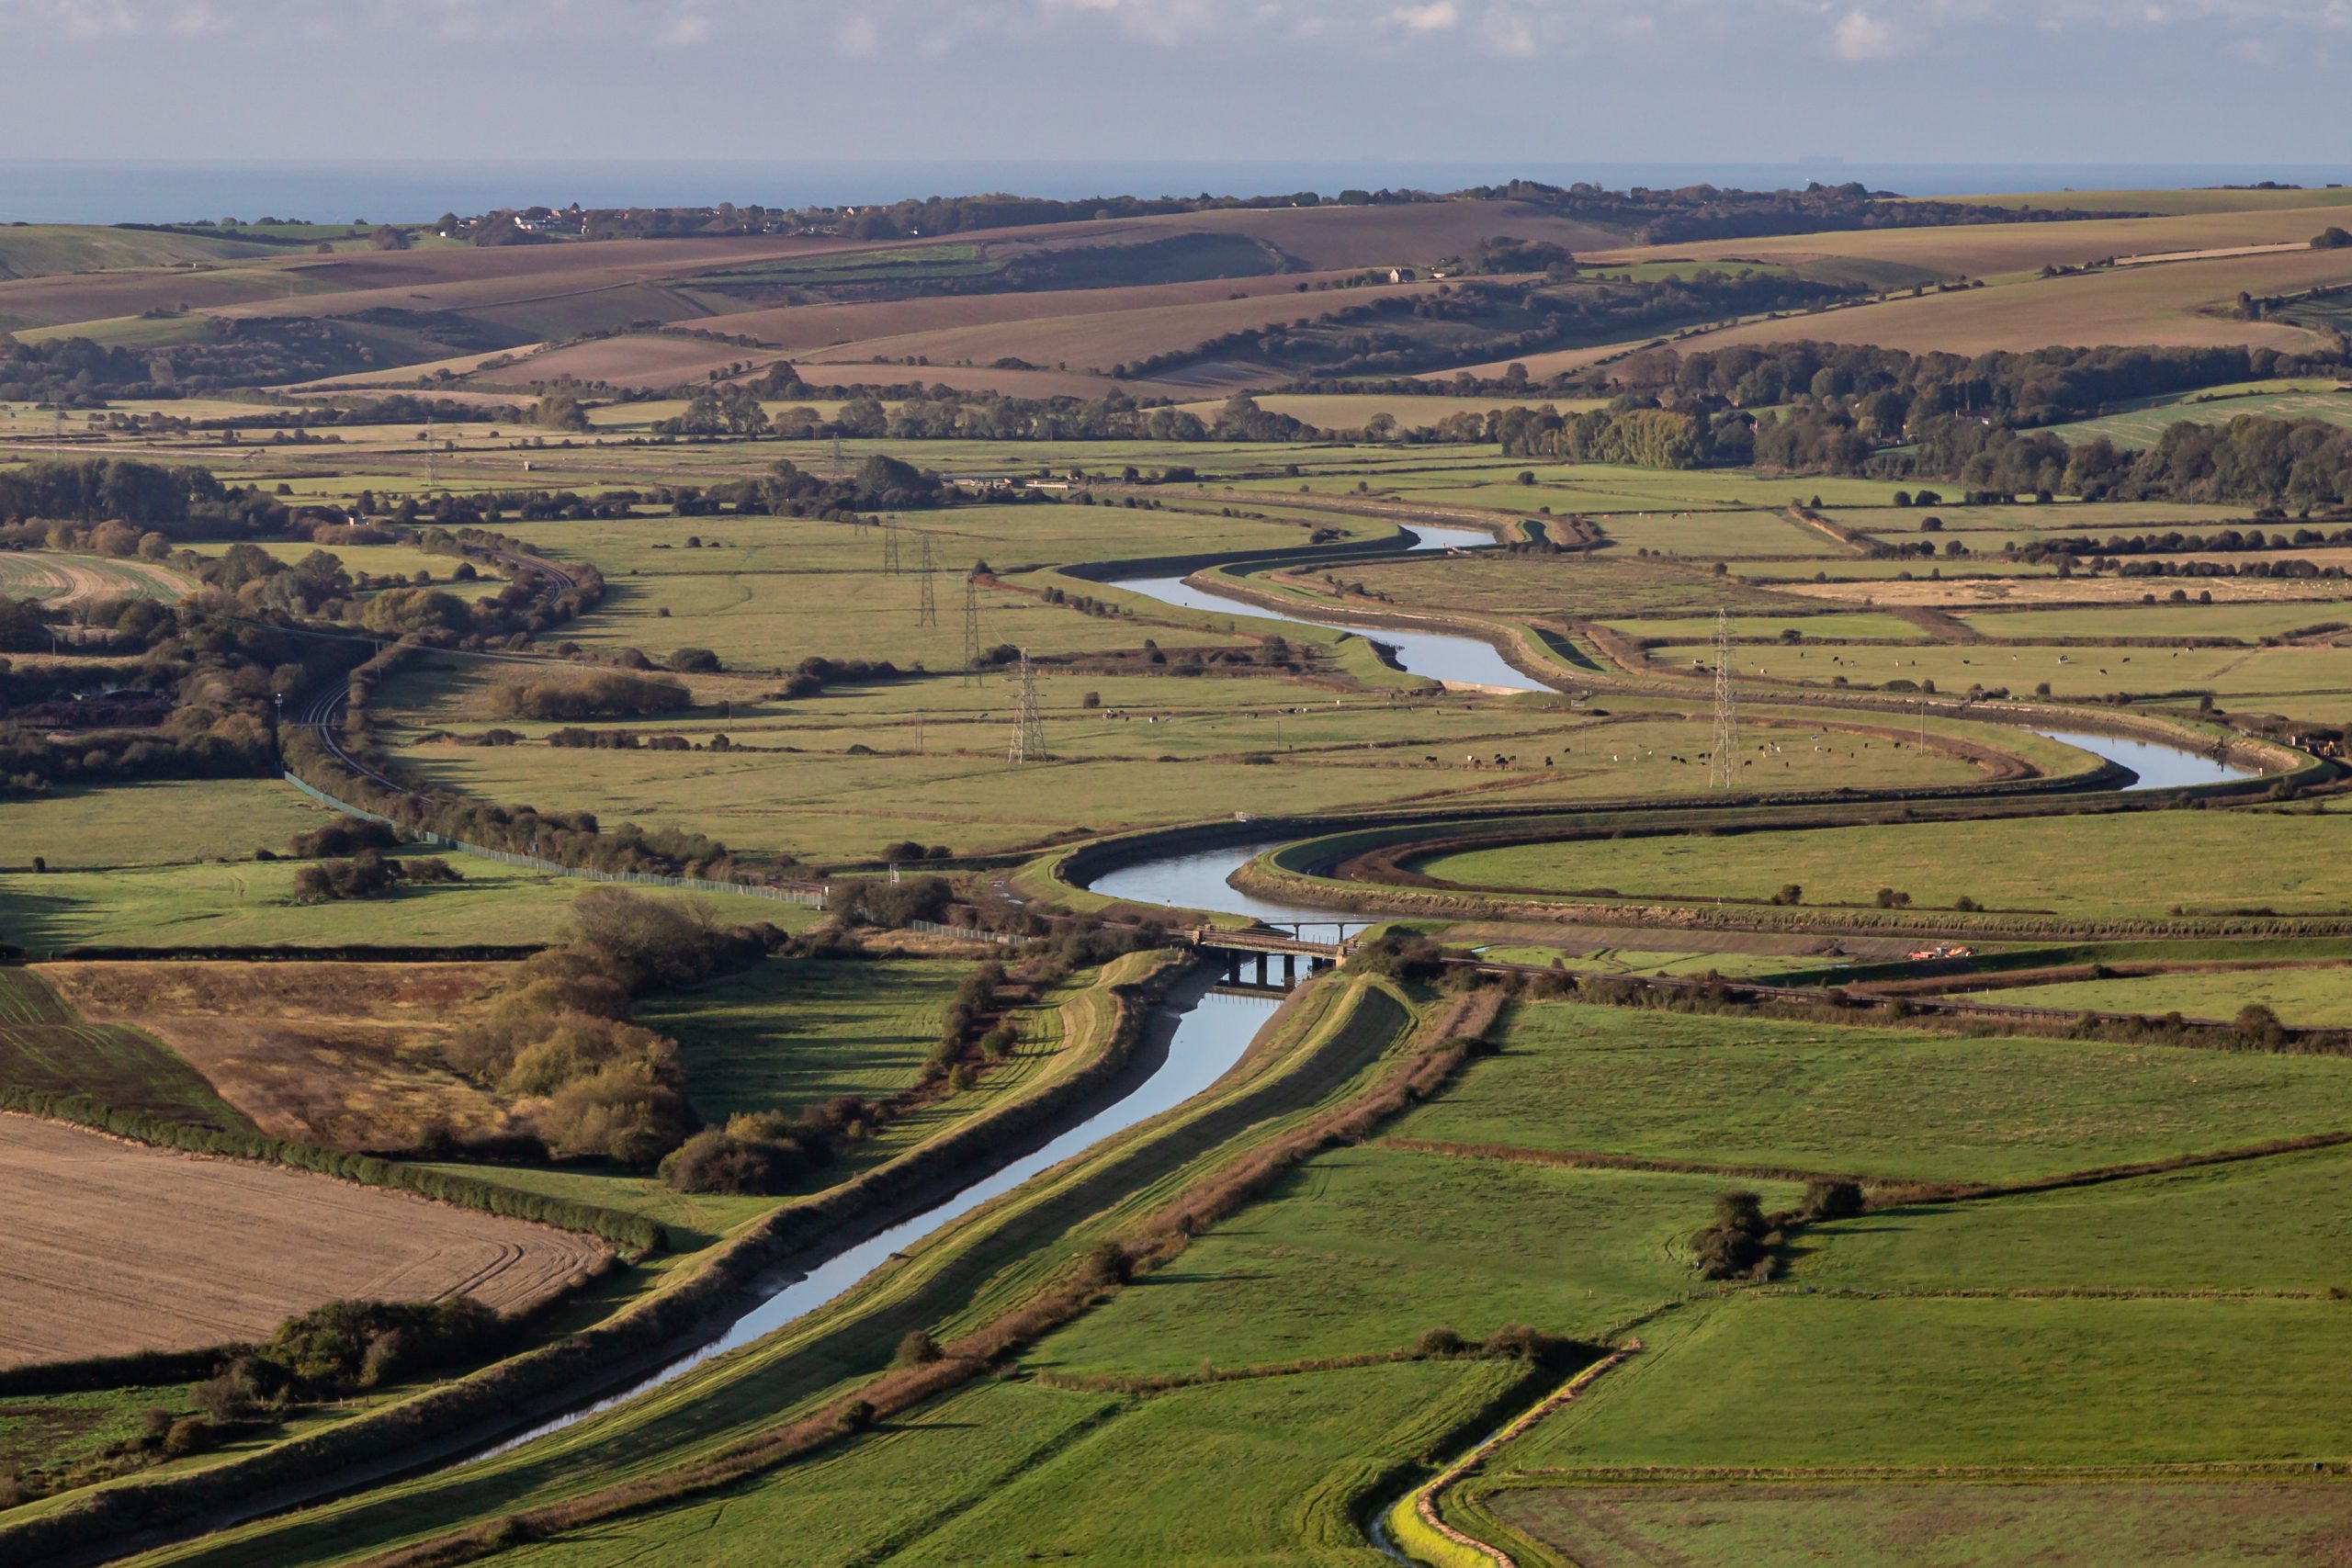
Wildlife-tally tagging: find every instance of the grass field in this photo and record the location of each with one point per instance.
(47, 1048)
(1824, 1380)
(2124, 866)
(62, 580)
(1943, 1524)
(1363, 1248)
(163, 822)
(2270, 1224)
(1868, 1102)
(249, 905)
(2302, 996)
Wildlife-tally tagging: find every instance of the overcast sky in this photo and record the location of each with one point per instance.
(1223, 81)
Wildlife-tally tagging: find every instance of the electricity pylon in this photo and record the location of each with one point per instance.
(927, 607)
(890, 545)
(1028, 730)
(1725, 766)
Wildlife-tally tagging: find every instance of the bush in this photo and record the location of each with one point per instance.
(1440, 1341)
(916, 1349)
(1830, 1198)
(367, 875)
(603, 694)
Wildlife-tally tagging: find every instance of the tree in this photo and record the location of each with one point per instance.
(2331, 239)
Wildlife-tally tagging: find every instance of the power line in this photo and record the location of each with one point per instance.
(973, 674)
(1028, 730)
(927, 607)
(1723, 765)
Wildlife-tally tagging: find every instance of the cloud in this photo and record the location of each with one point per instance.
(1434, 17)
(1860, 37)
(857, 37)
(684, 31)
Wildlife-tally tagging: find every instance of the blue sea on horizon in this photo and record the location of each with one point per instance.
(64, 191)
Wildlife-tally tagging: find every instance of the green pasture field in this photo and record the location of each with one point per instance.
(1948, 1524)
(2246, 622)
(1362, 1248)
(1157, 749)
(45, 1047)
(2276, 1223)
(2144, 427)
(1594, 486)
(1830, 624)
(2316, 995)
(128, 332)
(56, 1431)
(2070, 672)
(1794, 1381)
(47, 574)
(1860, 569)
(2130, 865)
(1892, 1104)
(1984, 528)
(1248, 1472)
(252, 905)
(796, 1032)
(159, 822)
(1719, 535)
(1610, 587)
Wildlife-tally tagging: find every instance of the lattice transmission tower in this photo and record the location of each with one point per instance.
(973, 673)
(890, 545)
(1028, 730)
(927, 607)
(1724, 766)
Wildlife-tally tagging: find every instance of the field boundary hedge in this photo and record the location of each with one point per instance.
(487, 1403)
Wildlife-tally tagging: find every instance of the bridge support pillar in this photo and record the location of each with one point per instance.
(1232, 967)
(1290, 970)
(1262, 978)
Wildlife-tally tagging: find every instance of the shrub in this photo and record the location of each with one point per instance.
(916, 1349)
(1439, 1341)
(1830, 1198)
(603, 694)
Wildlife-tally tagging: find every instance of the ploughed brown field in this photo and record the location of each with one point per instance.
(114, 1247)
(344, 1056)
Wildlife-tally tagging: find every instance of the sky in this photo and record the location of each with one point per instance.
(1224, 81)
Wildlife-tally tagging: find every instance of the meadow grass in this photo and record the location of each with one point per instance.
(2313, 997)
(1946, 1524)
(1361, 1249)
(1797, 1381)
(795, 1031)
(2123, 866)
(838, 778)
(252, 905)
(2247, 622)
(45, 1047)
(1234, 1473)
(2273, 1224)
(1870, 1102)
(160, 822)
(1830, 624)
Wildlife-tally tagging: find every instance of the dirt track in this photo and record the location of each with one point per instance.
(115, 1247)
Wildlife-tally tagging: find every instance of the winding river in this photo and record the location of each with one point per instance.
(1196, 1035)
(1439, 656)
